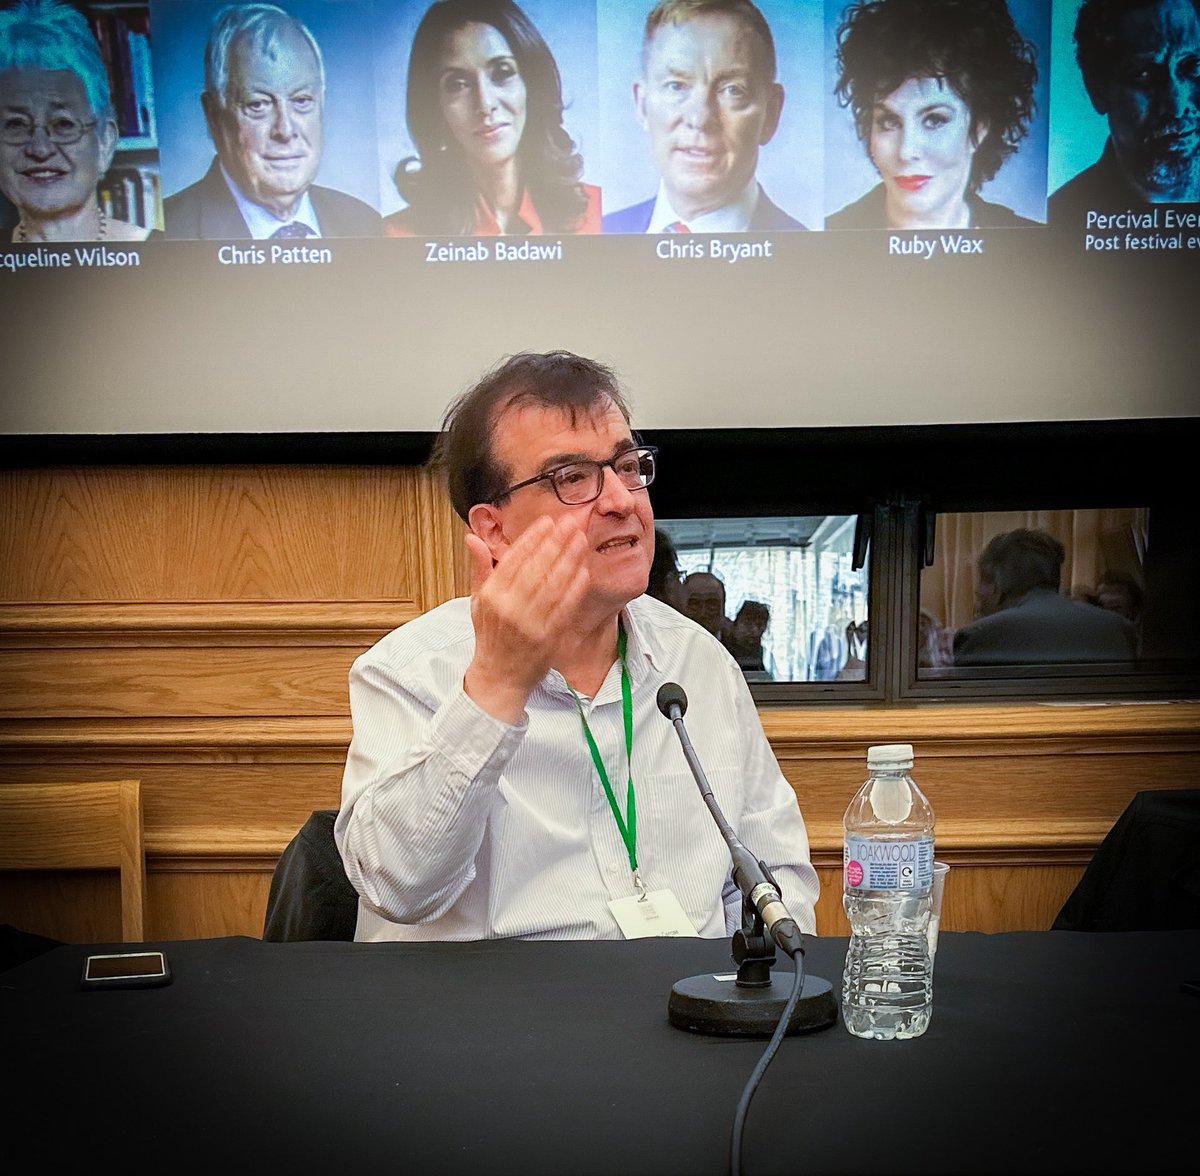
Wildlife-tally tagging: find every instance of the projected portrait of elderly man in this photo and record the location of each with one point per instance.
(707, 100)
(58, 132)
(264, 104)
(1140, 61)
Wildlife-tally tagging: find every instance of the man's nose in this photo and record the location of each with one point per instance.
(283, 125)
(699, 109)
(615, 497)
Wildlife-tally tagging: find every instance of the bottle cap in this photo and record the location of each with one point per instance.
(889, 756)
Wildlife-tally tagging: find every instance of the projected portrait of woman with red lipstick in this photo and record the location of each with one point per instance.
(942, 94)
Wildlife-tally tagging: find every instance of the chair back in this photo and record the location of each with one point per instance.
(311, 898)
(83, 826)
(1145, 875)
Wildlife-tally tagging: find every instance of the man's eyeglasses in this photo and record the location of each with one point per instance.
(583, 481)
(16, 130)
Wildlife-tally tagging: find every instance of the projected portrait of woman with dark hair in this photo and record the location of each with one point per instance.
(942, 93)
(58, 130)
(485, 114)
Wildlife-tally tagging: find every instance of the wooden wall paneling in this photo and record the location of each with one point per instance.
(194, 626)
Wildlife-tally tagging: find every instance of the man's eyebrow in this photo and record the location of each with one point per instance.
(562, 459)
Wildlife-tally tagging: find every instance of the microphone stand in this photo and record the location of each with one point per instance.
(750, 1002)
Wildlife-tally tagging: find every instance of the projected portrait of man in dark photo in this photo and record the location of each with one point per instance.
(1140, 62)
(942, 94)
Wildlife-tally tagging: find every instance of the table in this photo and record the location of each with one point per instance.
(1050, 1051)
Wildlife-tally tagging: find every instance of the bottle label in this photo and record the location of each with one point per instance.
(888, 865)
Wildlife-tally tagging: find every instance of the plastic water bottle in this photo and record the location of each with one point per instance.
(887, 987)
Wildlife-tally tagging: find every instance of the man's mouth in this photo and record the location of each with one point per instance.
(614, 544)
(912, 183)
(43, 175)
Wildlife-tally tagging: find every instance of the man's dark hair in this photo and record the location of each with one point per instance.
(973, 45)
(556, 379)
(1017, 562)
(754, 610)
(1098, 40)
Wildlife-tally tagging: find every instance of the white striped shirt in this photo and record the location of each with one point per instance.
(456, 826)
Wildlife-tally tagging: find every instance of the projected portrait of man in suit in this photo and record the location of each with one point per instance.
(264, 106)
(707, 100)
(1140, 64)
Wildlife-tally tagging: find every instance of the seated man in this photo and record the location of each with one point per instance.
(500, 740)
(264, 103)
(707, 100)
(1025, 619)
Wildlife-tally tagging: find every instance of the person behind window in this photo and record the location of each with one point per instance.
(744, 637)
(942, 95)
(1121, 593)
(1024, 618)
(485, 112)
(1139, 61)
(665, 577)
(58, 131)
(704, 601)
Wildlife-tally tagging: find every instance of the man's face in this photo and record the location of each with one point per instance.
(269, 133)
(619, 525)
(1153, 100)
(707, 107)
(704, 601)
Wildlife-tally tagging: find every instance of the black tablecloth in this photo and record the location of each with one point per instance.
(1054, 1051)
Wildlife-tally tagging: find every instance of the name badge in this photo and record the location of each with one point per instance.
(656, 913)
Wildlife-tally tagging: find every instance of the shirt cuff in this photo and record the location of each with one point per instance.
(475, 742)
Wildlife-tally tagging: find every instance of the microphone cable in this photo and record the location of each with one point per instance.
(743, 1107)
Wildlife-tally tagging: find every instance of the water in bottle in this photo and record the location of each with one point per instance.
(887, 988)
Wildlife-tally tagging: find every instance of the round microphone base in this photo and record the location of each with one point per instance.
(706, 1004)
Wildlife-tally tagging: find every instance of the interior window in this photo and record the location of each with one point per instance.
(1076, 591)
(780, 594)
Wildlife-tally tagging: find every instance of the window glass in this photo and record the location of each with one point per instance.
(779, 593)
(1094, 591)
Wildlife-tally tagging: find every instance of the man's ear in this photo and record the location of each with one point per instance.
(639, 103)
(774, 110)
(484, 521)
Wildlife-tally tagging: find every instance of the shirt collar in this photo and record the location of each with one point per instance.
(642, 651)
(486, 224)
(263, 223)
(734, 217)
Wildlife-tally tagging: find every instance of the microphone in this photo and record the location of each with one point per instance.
(748, 872)
(757, 1003)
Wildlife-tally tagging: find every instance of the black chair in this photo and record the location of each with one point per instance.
(310, 896)
(1145, 875)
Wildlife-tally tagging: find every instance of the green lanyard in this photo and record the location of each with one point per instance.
(628, 824)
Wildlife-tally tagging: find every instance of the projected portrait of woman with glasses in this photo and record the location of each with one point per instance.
(942, 94)
(57, 127)
(485, 113)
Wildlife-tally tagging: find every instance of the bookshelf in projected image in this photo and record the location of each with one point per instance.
(130, 190)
